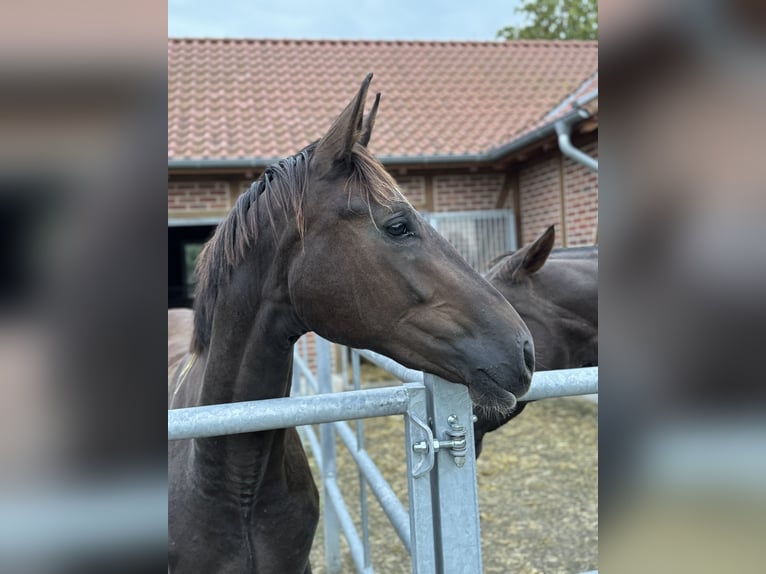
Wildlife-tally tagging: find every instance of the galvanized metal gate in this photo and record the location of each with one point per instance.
(440, 530)
(440, 461)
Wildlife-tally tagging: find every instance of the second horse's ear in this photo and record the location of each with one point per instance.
(337, 143)
(530, 258)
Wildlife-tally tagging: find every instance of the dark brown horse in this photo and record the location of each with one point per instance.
(556, 293)
(324, 241)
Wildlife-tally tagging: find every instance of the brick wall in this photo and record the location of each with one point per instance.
(581, 199)
(541, 195)
(540, 185)
(414, 189)
(471, 191)
(540, 192)
(187, 198)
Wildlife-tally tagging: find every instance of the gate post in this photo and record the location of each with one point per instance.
(327, 439)
(421, 512)
(453, 480)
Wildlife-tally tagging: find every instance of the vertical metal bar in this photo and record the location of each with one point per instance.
(484, 231)
(327, 437)
(511, 243)
(355, 371)
(335, 499)
(296, 389)
(422, 548)
(344, 368)
(456, 532)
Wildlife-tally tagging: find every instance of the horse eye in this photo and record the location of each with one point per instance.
(397, 229)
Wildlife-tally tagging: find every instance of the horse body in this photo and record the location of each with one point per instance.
(555, 291)
(323, 242)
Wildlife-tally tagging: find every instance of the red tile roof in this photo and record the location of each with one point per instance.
(243, 99)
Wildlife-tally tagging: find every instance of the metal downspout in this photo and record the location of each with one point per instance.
(564, 131)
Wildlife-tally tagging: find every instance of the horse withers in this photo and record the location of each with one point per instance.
(324, 241)
(556, 293)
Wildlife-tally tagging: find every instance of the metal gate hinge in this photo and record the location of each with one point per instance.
(456, 443)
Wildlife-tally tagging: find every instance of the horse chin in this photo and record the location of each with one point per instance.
(490, 398)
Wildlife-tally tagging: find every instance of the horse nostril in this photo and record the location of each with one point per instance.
(529, 356)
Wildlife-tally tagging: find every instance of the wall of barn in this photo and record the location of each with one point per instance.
(557, 190)
(549, 189)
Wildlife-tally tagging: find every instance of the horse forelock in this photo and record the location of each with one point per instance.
(280, 190)
(372, 180)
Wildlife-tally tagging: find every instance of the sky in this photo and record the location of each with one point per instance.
(341, 19)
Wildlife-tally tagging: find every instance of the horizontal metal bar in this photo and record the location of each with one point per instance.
(347, 524)
(270, 414)
(545, 384)
(562, 383)
(399, 371)
(392, 506)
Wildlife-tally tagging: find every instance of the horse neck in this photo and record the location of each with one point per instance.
(250, 352)
(249, 358)
(572, 284)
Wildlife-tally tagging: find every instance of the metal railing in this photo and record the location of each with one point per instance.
(439, 530)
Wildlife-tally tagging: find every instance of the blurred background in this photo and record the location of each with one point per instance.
(83, 175)
(682, 452)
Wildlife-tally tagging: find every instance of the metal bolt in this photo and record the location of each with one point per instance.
(454, 422)
(420, 447)
(457, 444)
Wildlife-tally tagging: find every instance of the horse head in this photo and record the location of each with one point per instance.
(369, 272)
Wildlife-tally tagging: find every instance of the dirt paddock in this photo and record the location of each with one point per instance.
(538, 483)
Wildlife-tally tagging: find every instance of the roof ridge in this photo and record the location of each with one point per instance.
(320, 41)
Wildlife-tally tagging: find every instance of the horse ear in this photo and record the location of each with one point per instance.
(337, 143)
(530, 258)
(369, 122)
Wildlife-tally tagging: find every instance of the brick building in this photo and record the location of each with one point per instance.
(463, 126)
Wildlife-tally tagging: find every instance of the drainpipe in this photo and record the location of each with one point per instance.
(564, 131)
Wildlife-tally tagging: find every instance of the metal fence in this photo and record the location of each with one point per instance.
(479, 236)
(440, 530)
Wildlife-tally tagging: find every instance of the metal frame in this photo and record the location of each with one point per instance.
(436, 468)
(440, 530)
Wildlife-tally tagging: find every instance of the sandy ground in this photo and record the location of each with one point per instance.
(538, 482)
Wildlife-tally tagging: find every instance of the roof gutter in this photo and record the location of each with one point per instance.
(489, 156)
(564, 132)
(238, 163)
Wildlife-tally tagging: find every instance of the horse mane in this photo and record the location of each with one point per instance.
(281, 187)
